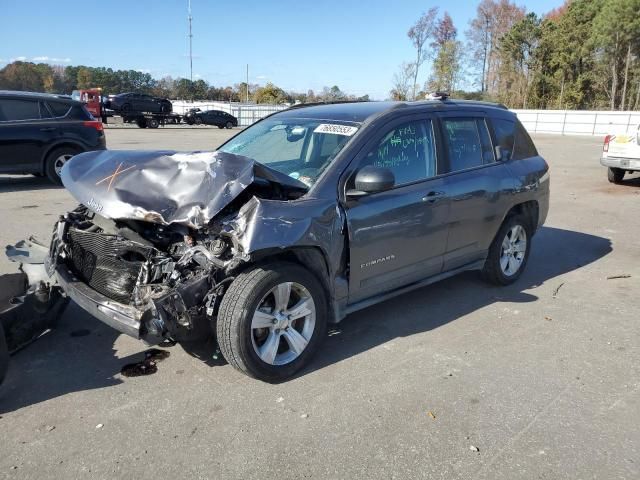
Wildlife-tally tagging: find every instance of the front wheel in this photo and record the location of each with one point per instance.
(272, 320)
(198, 121)
(56, 160)
(615, 175)
(229, 125)
(509, 252)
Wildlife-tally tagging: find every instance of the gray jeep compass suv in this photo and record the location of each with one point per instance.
(308, 215)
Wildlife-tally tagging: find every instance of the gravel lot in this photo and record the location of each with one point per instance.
(542, 377)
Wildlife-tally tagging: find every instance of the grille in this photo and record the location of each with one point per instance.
(108, 264)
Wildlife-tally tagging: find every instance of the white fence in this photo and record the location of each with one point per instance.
(577, 122)
(246, 113)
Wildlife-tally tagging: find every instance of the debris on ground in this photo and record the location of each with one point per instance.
(279, 400)
(147, 366)
(304, 415)
(431, 414)
(548, 319)
(99, 426)
(557, 289)
(474, 449)
(624, 275)
(50, 428)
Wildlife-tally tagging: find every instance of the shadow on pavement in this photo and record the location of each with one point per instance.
(554, 252)
(61, 363)
(25, 182)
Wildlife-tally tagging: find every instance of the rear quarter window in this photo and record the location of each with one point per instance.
(504, 131)
(524, 147)
(59, 109)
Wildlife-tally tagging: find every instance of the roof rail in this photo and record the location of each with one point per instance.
(314, 104)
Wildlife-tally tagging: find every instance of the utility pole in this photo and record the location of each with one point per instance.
(190, 46)
(247, 96)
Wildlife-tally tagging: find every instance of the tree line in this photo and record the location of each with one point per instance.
(583, 55)
(42, 77)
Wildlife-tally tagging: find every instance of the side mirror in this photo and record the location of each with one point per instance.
(372, 179)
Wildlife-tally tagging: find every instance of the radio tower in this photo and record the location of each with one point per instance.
(190, 46)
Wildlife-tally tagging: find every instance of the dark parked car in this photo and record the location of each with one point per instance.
(211, 117)
(138, 102)
(40, 132)
(306, 216)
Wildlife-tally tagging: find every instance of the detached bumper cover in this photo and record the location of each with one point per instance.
(619, 162)
(124, 318)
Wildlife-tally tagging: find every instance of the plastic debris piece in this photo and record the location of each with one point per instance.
(279, 400)
(473, 448)
(99, 426)
(557, 289)
(548, 319)
(304, 415)
(624, 275)
(431, 414)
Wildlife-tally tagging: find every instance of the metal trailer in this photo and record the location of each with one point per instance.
(151, 120)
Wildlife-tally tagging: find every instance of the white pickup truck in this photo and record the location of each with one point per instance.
(621, 154)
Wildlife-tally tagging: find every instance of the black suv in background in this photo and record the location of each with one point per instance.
(211, 117)
(40, 132)
(138, 102)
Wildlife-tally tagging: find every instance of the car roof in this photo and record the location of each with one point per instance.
(36, 95)
(359, 112)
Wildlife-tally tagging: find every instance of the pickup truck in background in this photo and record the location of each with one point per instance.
(621, 154)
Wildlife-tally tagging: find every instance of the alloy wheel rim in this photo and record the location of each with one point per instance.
(513, 250)
(59, 163)
(283, 323)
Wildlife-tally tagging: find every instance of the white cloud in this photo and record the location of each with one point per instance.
(261, 77)
(41, 59)
(143, 70)
(17, 59)
(197, 75)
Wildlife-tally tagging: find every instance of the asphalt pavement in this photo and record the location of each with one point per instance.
(459, 380)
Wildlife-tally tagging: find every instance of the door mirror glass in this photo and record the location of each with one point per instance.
(372, 179)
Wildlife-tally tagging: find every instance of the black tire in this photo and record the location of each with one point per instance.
(153, 123)
(4, 355)
(197, 121)
(229, 125)
(240, 302)
(141, 122)
(52, 162)
(189, 121)
(220, 126)
(125, 108)
(615, 175)
(492, 271)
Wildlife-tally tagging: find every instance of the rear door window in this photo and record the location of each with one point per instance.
(468, 143)
(505, 135)
(12, 109)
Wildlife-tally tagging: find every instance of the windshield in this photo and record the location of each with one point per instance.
(299, 147)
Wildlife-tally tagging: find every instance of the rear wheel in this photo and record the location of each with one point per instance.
(615, 175)
(272, 320)
(4, 355)
(125, 108)
(509, 252)
(153, 123)
(220, 126)
(56, 160)
(198, 121)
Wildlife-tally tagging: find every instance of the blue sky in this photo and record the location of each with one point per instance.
(296, 44)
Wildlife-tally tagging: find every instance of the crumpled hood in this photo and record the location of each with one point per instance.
(163, 187)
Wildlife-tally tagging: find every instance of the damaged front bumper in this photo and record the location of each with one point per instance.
(124, 318)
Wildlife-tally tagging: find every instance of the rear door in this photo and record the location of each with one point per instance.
(26, 128)
(479, 187)
(398, 236)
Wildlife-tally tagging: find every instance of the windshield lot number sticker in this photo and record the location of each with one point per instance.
(335, 129)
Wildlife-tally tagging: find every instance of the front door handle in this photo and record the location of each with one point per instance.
(433, 197)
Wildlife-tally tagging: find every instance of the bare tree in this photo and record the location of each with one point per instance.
(420, 33)
(402, 81)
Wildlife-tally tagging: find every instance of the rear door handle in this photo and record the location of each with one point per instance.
(433, 196)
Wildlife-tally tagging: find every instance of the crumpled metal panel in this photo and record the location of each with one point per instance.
(163, 187)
